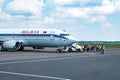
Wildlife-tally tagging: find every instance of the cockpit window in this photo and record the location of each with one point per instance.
(64, 34)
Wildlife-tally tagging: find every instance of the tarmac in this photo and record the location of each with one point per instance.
(46, 64)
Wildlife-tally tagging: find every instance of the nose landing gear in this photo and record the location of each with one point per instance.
(62, 49)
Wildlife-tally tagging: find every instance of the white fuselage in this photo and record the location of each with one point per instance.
(37, 37)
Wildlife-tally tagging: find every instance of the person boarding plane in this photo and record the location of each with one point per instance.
(36, 38)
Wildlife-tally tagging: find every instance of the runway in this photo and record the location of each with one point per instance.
(48, 65)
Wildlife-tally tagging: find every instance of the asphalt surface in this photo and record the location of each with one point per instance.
(49, 65)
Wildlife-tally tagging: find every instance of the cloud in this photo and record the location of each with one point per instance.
(116, 4)
(21, 7)
(48, 20)
(4, 16)
(98, 18)
(63, 2)
(21, 24)
(107, 7)
(75, 12)
(1, 2)
(70, 2)
(107, 25)
(62, 12)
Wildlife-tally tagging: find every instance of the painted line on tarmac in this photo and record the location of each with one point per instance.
(36, 76)
(58, 58)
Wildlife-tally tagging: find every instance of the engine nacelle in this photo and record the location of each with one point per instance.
(12, 44)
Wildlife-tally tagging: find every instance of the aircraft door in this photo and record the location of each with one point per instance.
(62, 41)
(13, 35)
(52, 35)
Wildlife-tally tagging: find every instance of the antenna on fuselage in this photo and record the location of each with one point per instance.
(64, 30)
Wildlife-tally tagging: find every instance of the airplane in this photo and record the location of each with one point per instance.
(36, 38)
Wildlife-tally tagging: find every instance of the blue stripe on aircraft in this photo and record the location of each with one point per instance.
(34, 35)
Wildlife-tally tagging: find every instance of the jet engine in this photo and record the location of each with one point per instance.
(12, 44)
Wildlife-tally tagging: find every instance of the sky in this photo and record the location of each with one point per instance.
(87, 20)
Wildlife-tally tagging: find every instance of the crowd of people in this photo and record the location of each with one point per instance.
(93, 48)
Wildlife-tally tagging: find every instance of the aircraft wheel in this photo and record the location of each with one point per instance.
(59, 50)
(2, 49)
(78, 50)
(21, 48)
(69, 50)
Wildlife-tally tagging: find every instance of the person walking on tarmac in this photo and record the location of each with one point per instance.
(83, 48)
(77, 47)
(102, 50)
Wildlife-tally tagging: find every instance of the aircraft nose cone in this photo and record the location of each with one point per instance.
(73, 39)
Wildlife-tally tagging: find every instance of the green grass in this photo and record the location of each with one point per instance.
(107, 44)
(112, 45)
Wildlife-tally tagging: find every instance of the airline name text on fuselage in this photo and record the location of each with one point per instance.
(30, 32)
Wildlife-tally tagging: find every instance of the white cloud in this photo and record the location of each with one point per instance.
(102, 21)
(1, 2)
(48, 20)
(107, 25)
(70, 12)
(0, 10)
(106, 2)
(99, 18)
(75, 12)
(117, 4)
(21, 24)
(63, 2)
(104, 10)
(83, 1)
(92, 19)
(107, 7)
(70, 2)
(4, 16)
(25, 6)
